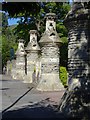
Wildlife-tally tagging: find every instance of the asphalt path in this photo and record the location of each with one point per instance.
(20, 100)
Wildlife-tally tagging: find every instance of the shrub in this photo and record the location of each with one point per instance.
(63, 76)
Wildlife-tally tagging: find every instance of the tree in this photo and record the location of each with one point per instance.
(34, 13)
(32, 17)
(8, 42)
(4, 22)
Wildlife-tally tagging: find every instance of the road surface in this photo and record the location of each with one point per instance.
(34, 104)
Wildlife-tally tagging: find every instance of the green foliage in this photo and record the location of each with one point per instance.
(64, 40)
(0, 44)
(5, 50)
(21, 8)
(8, 40)
(22, 31)
(33, 12)
(33, 18)
(4, 20)
(0, 19)
(61, 29)
(63, 75)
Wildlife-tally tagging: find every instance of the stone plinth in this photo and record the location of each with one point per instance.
(32, 50)
(77, 22)
(50, 43)
(20, 61)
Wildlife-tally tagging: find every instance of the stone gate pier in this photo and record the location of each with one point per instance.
(50, 44)
(76, 99)
(19, 71)
(78, 25)
(33, 61)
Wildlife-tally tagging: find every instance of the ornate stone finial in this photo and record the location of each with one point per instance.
(50, 22)
(21, 44)
(33, 37)
(50, 35)
(33, 45)
(20, 49)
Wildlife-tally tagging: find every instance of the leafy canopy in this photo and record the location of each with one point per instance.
(32, 17)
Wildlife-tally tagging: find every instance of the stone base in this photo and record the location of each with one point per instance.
(17, 75)
(50, 82)
(29, 78)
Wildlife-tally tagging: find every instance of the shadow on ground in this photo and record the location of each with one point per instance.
(41, 109)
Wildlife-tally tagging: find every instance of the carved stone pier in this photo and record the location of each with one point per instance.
(76, 101)
(19, 70)
(33, 61)
(77, 23)
(50, 44)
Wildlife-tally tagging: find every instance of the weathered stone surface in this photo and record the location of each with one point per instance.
(50, 43)
(33, 62)
(32, 45)
(78, 55)
(49, 82)
(19, 71)
(78, 37)
(75, 102)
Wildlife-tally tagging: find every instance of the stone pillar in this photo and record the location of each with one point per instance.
(77, 22)
(20, 61)
(32, 50)
(76, 100)
(50, 44)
